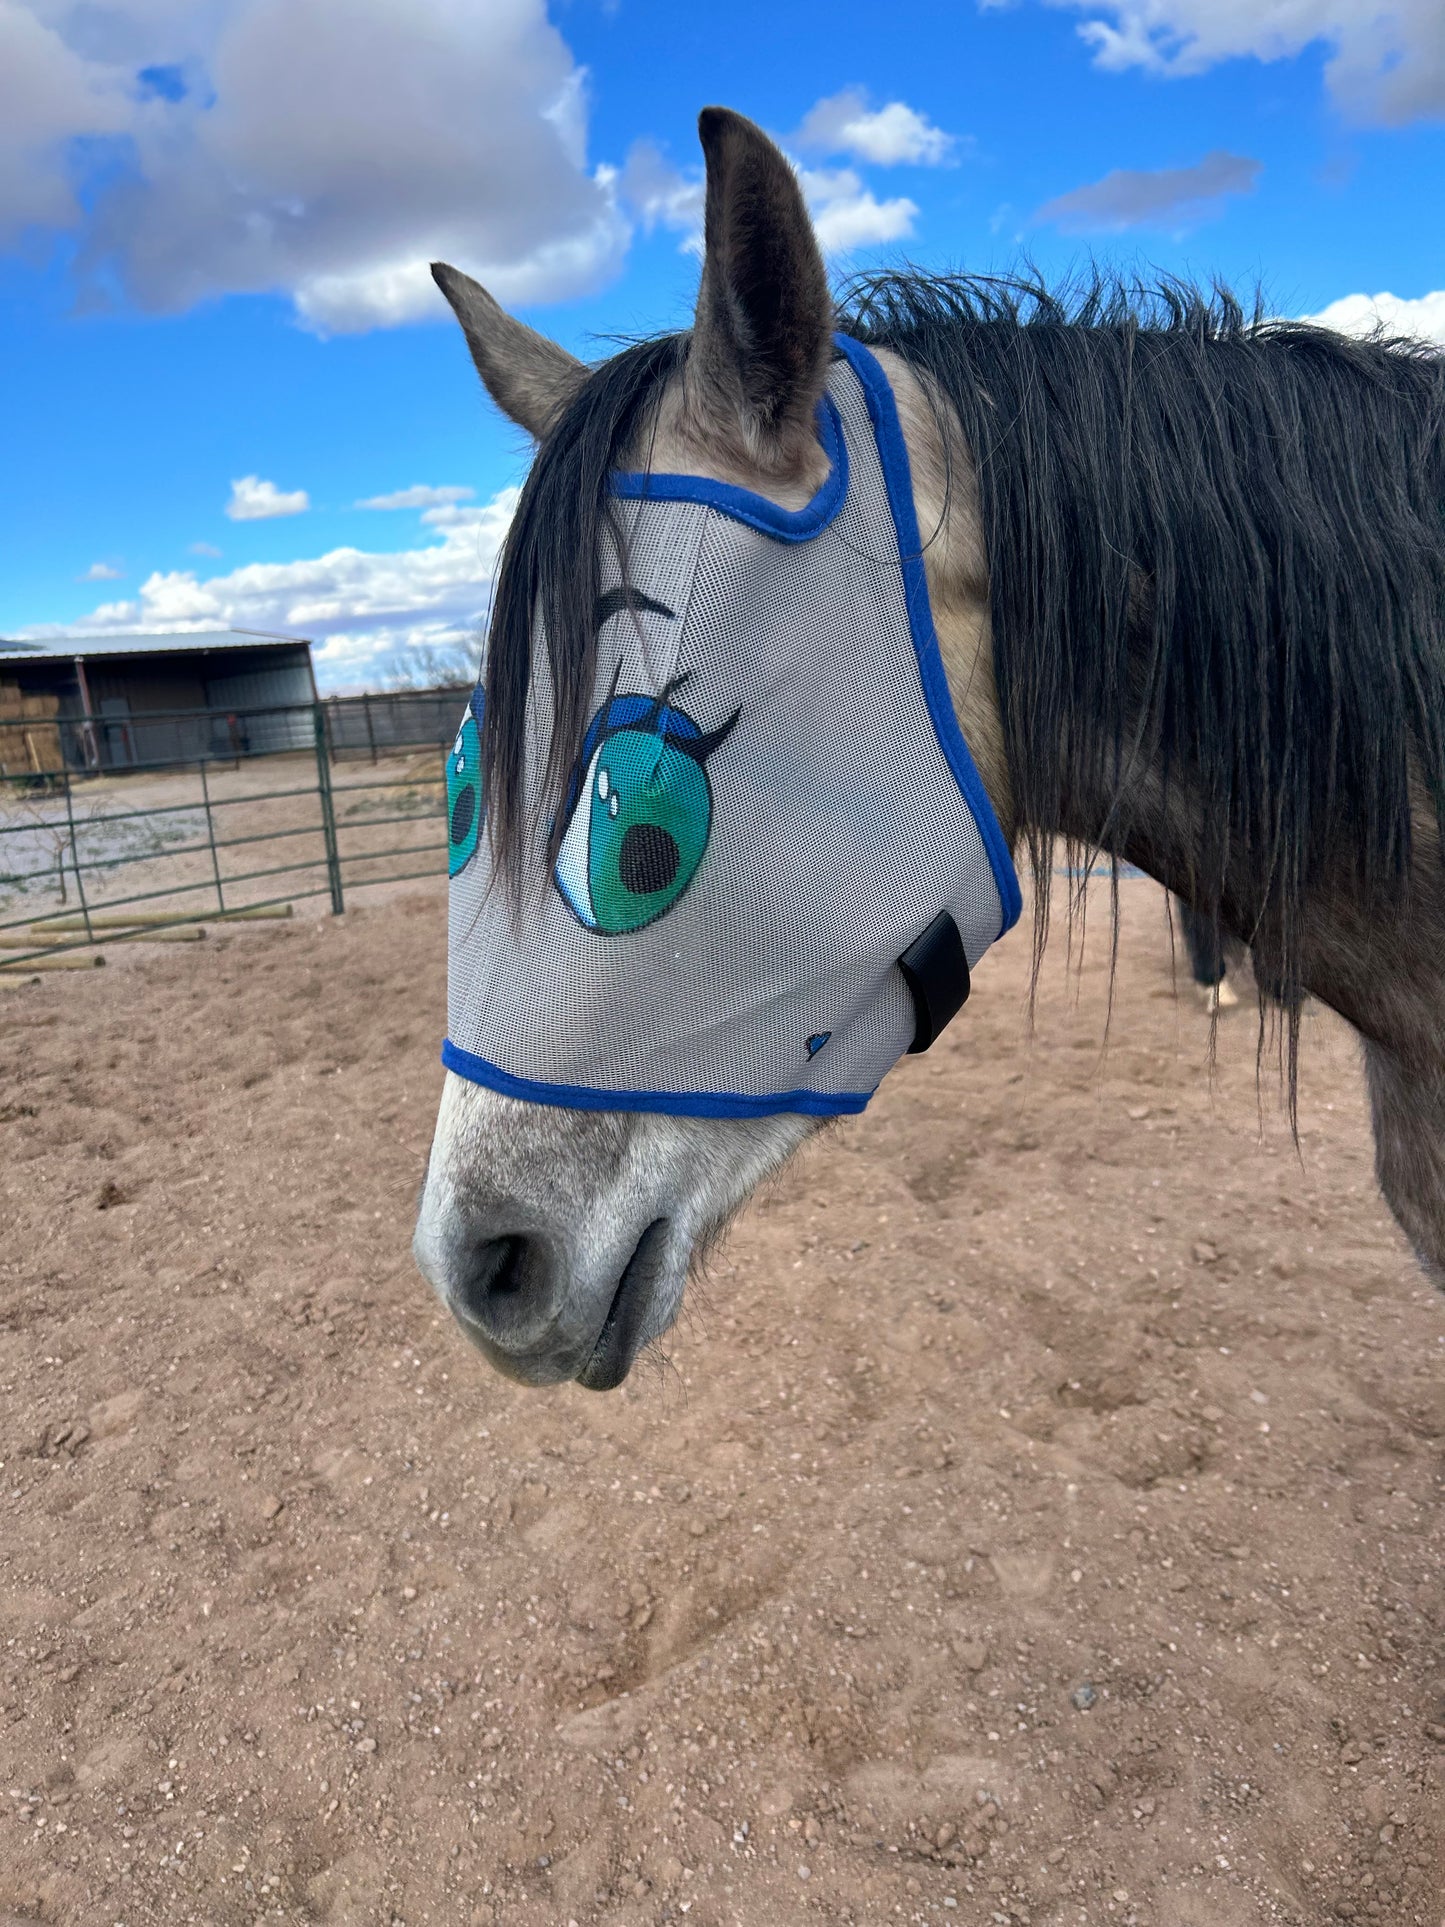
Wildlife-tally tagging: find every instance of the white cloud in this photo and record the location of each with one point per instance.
(204, 548)
(1386, 60)
(1137, 197)
(330, 153)
(846, 213)
(325, 151)
(402, 291)
(101, 572)
(52, 96)
(363, 608)
(662, 197)
(845, 124)
(253, 500)
(1360, 314)
(418, 496)
(451, 515)
(387, 296)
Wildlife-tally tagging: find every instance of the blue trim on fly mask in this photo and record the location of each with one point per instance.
(898, 478)
(784, 525)
(582, 1097)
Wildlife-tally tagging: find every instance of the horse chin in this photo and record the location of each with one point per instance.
(535, 1370)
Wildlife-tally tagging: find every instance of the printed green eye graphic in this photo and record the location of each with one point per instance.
(464, 791)
(641, 812)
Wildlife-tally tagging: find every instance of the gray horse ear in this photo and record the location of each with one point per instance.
(529, 377)
(762, 339)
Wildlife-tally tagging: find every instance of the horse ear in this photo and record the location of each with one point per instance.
(762, 338)
(529, 377)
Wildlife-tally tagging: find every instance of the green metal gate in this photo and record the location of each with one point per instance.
(104, 857)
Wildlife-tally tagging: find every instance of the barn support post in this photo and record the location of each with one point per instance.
(90, 742)
(75, 858)
(211, 838)
(370, 728)
(328, 811)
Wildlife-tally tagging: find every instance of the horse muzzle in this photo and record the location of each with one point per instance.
(540, 1315)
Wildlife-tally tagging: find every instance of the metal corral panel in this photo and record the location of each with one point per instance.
(395, 720)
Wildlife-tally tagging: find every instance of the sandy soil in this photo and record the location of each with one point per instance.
(1036, 1519)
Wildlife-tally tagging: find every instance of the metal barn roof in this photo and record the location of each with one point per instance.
(67, 648)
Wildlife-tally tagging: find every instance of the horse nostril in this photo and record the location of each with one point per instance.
(506, 1256)
(498, 1272)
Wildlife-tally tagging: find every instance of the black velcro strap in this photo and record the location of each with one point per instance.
(936, 971)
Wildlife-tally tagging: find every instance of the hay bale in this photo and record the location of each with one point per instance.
(14, 757)
(41, 706)
(30, 749)
(42, 746)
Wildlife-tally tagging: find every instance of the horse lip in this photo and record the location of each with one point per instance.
(612, 1356)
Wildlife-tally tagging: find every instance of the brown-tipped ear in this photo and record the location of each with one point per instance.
(529, 377)
(762, 339)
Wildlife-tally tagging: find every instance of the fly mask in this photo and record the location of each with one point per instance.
(777, 865)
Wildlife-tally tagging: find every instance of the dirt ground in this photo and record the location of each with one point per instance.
(1036, 1519)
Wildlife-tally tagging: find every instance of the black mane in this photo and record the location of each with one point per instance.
(1216, 546)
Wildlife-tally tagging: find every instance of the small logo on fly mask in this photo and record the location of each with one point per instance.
(815, 1044)
(464, 790)
(640, 810)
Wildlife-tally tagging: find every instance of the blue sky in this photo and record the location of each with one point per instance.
(220, 342)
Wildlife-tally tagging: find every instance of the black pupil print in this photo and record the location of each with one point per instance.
(463, 810)
(648, 859)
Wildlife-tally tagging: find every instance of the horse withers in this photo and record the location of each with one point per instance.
(1173, 583)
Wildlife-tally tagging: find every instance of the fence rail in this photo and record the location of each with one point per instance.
(167, 845)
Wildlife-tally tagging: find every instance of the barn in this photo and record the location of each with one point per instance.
(143, 701)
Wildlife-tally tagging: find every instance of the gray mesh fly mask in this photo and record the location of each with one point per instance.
(773, 811)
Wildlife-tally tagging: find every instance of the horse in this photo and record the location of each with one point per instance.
(1186, 567)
